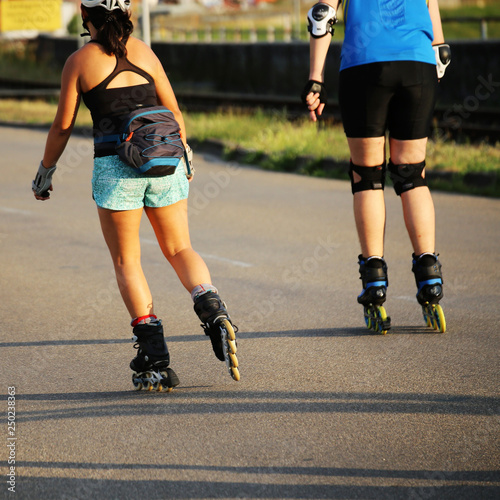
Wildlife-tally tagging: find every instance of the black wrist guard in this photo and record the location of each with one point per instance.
(316, 88)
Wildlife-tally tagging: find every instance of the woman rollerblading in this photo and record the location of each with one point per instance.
(387, 88)
(121, 79)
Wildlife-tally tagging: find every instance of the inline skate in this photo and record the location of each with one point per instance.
(150, 366)
(373, 274)
(218, 326)
(429, 280)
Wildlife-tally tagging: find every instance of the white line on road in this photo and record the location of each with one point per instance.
(15, 211)
(223, 259)
(238, 263)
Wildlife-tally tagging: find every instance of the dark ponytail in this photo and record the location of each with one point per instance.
(113, 28)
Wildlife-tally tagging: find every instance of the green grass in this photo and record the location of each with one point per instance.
(18, 62)
(271, 141)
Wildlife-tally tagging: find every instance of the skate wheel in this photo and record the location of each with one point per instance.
(168, 380)
(439, 318)
(368, 319)
(232, 346)
(226, 324)
(368, 323)
(136, 383)
(148, 386)
(428, 320)
(382, 317)
(162, 388)
(235, 373)
(234, 360)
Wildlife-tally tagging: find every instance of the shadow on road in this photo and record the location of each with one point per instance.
(186, 401)
(160, 489)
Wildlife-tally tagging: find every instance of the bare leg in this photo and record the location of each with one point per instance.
(418, 207)
(369, 206)
(171, 228)
(121, 233)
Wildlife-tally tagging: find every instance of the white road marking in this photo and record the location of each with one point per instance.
(15, 211)
(238, 263)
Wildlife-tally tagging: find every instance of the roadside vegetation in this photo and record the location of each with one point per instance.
(269, 139)
(273, 142)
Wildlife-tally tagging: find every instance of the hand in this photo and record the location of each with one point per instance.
(45, 195)
(315, 98)
(314, 105)
(43, 182)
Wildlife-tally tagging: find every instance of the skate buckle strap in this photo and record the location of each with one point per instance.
(376, 283)
(435, 281)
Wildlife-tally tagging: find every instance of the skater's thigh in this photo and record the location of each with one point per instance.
(412, 151)
(121, 232)
(367, 151)
(170, 225)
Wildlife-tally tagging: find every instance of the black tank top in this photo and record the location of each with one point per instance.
(109, 106)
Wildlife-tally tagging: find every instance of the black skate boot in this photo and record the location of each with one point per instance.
(429, 280)
(150, 366)
(218, 326)
(373, 274)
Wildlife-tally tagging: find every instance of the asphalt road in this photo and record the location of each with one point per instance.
(324, 409)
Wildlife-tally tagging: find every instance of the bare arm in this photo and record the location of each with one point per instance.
(69, 102)
(167, 98)
(318, 50)
(60, 131)
(437, 27)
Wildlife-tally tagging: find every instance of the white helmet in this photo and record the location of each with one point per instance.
(108, 4)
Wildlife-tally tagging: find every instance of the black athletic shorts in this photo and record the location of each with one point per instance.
(398, 96)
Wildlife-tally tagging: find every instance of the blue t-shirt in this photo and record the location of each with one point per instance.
(386, 30)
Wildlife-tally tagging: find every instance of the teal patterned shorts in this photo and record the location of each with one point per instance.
(116, 186)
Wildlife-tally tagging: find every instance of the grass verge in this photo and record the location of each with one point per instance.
(271, 141)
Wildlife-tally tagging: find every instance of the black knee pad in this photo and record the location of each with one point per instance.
(406, 176)
(371, 177)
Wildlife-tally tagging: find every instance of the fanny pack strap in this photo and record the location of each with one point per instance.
(107, 138)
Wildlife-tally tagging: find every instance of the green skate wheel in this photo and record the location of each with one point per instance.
(427, 316)
(368, 320)
(368, 323)
(382, 318)
(439, 318)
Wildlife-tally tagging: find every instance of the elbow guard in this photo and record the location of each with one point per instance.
(321, 18)
(443, 58)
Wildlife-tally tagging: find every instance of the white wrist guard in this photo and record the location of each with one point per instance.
(43, 180)
(321, 18)
(188, 162)
(443, 58)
